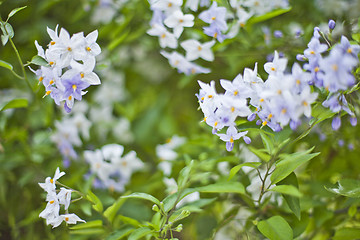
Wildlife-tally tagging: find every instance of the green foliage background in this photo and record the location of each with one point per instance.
(160, 103)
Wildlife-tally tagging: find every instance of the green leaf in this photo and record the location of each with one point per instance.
(293, 202)
(347, 187)
(268, 144)
(260, 153)
(289, 163)
(6, 65)
(15, 103)
(184, 175)
(14, 11)
(97, 205)
(346, 233)
(144, 196)
(139, 233)
(120, 234)
(7, 30)
(89, 231)
(37, 60)
(4, 39)
(237, 168)
(169, 201)
(356, 37)
(320, 114)
(91, 224)
(223, 187)
(275, 228)
(286, 189)
(111, 211)
(267, 16)
(128, 220)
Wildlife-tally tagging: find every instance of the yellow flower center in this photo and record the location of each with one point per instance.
(74, 87)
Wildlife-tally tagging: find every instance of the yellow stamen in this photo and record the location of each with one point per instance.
(231, 140)
(124, 164)
(176, 62)
(52, 201)
(51, 180)
(335, 67)
(305, 103)
(317, 69)
(199, 48)
(52, 42)
(41, 78)
(232, 109)
(51, 63)
(66, 219)
(163, 35)
(312, 52)
(242, 24)
(264, 123)
(215, 124)
(213, 18)
(74, 87)
(202, 99)
(193, 70)
(283, 111)
(82, 75)
(236, 93)
(69, 49)
(170, 5)
(51, 82)
(349, 50)
(215, 35)
(270, 116)
(48, 92)
(70, 97)
(181, 20)
(279, 91)
(204, 119)
(88, 49)
(210, 96)
(298, 82)
(261, 100)
(273, 69)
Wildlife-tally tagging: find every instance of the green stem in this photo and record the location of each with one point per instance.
(21, 64)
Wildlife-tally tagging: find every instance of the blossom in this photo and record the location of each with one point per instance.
(215, 16)
(177, 20)
(195, 50)
(231, 135)
(166, 38)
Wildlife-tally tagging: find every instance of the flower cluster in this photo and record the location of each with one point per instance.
(71, 61)
(113, 171)
(332, 72)
(54, 200)
(281, 100)
(169, 14)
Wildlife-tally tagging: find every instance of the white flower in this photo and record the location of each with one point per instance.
(177, 20)
(91, 47)
(166, 38)
(64, 197)
(168, 6)
(194, 50)
(49, 185)
(68, 218)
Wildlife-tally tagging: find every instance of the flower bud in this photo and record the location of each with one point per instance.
(336, 123)
(332, 24)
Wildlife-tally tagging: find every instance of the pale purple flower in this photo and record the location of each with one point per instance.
(231, 135)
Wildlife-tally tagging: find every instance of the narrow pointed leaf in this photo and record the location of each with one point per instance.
(237, 168)
(289, 163)
(144, 196)
(14, 11)
(6, 65)
(223, 187)
(16, 103)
